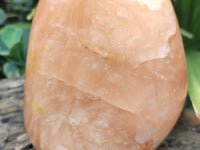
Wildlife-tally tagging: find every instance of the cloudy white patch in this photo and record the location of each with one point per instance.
(61, 148)
(54, 122)
(152, 4)
(163, 51)
(77, 119)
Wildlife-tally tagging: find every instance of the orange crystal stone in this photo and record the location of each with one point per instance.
(103, 74)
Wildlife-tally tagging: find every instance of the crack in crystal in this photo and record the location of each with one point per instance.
(86, 92)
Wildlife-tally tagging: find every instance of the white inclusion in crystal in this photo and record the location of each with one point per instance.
(159, 76)
(105, 54)
(77, 118)
(162, 77)
(94, 66)
(61, 148)
(54, 122)
(143, 134)
(102, 123)
(163, 51)
(141, 139)
(72, 121)
(151, 4)
(114, 77)
(117, 76)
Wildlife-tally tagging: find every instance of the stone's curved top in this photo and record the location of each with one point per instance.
(108, 40)
(107, 27)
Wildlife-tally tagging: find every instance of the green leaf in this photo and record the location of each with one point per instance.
(11, 35)
(16, 52)
(17, 1)
(188, 13)
(195, 19)
(193, 62)
(31, 14)
(22, 25)
(25, 38)
(2, 16)
(10, 70)
(187, 34)
(22, 71)
(4, 51)
(183, 10)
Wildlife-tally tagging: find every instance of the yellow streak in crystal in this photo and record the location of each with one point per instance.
(99, 53)
(31, 63)
(37, 108)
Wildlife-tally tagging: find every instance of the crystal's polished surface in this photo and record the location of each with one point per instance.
(103, 74)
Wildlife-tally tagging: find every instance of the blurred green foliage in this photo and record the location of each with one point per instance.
(188, 14)
(15, 21)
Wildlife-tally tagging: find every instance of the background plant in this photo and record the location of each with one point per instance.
(188, 14)
(15, 21)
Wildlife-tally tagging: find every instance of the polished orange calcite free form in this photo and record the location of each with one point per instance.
(103, 74)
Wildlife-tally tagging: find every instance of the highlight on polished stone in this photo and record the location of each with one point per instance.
(103, 74)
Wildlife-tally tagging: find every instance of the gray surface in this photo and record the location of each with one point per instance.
(13, 136)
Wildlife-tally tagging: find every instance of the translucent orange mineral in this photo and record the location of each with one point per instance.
(103, 74)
